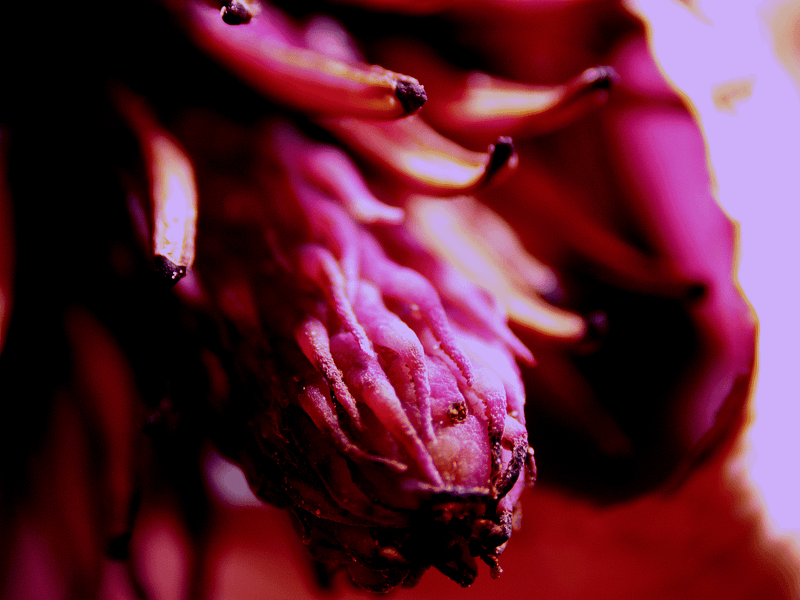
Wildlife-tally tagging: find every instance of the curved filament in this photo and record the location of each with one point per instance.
(416, 152)
(268, 53)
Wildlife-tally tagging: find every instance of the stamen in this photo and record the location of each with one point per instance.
(501, 155)
(168, 269)
(416, 152)
(267, 54)
(490, 105)
(487, 106)
(174, 203)
(410, 94)
(172, 189)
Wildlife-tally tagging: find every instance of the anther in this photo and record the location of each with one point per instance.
(411, 95)
(235, 13)
(171, 272)
(500, 154)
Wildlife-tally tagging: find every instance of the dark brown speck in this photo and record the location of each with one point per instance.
(411, 95)
(236, 13)
(457, 413)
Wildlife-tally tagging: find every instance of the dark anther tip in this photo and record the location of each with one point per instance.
(500, 154)
(235, 13)
(411, 95)
(170, 272)
(603, 78)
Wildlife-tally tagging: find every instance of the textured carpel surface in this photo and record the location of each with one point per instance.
(396, 438)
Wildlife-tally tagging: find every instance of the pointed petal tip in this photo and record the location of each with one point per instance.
(411, 95)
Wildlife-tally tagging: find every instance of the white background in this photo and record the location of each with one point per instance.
(755, 156)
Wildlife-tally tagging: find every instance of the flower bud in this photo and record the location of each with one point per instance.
(390, 424)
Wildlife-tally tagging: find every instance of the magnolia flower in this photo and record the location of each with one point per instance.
(369, 278)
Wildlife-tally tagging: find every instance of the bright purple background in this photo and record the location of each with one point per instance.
(755, 156)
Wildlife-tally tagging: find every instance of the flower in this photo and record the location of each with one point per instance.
(357, 295)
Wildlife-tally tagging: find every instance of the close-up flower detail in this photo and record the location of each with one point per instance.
(373, 254)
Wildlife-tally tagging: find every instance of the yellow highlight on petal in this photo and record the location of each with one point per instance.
(432, 168)
(486, 251)
(175, 200)
(510, 101)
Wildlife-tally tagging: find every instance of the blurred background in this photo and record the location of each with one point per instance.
(733, 530)
(739, 65)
